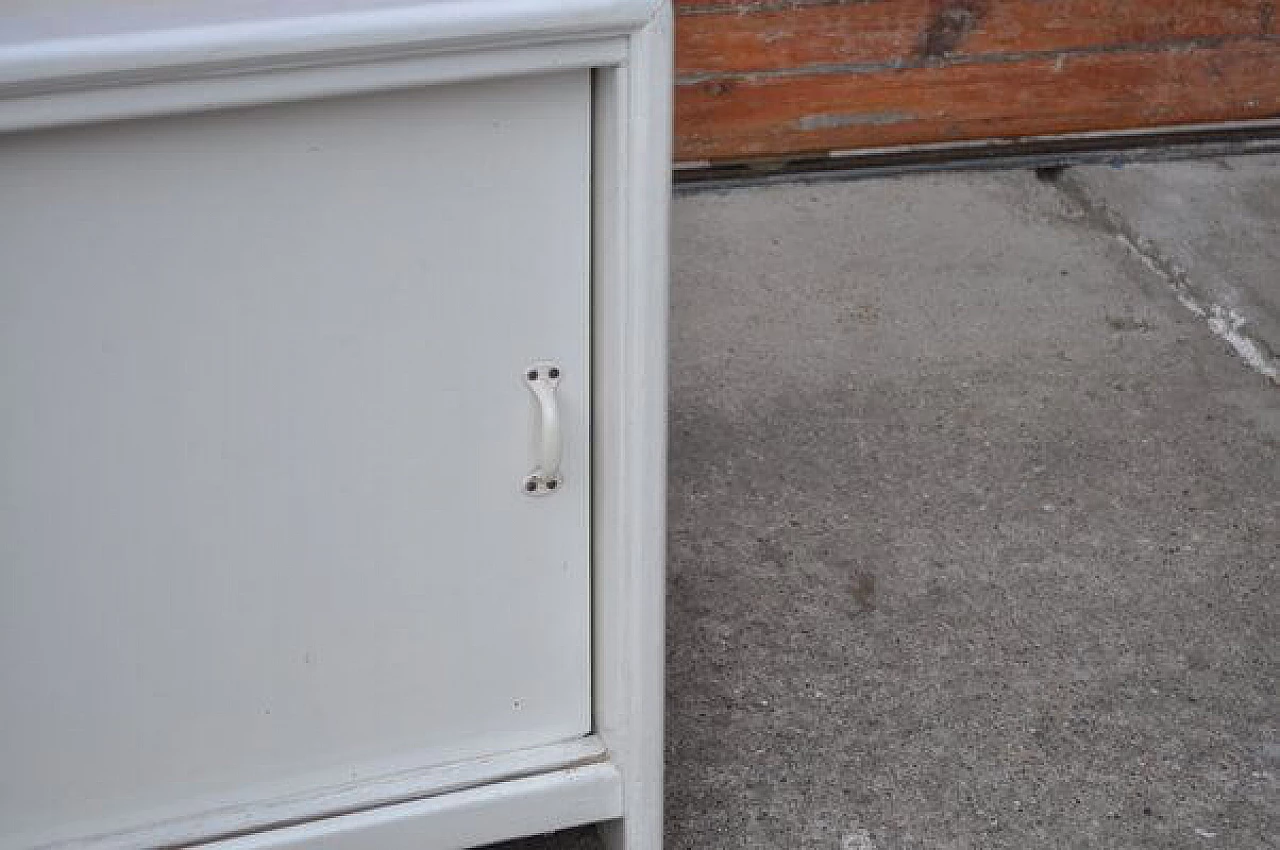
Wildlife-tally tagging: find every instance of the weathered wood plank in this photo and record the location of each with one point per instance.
(913, 31)
(778, 115)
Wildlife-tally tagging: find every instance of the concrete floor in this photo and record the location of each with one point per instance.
(975, 513)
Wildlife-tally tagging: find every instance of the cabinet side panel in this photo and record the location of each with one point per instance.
(633, 156)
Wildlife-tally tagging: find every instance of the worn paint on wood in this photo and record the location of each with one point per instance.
(800, 77)
(886, 33)
(781, 115)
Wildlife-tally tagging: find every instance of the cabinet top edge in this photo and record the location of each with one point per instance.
(48, 45)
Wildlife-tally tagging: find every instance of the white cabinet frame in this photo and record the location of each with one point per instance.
(199, 56)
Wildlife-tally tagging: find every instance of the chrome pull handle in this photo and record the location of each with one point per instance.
(542, 380)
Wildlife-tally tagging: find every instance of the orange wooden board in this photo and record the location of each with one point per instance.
(758, 80)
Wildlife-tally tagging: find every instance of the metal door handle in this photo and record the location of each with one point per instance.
(542, 380)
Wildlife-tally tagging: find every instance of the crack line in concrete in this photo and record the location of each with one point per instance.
(1226, 323)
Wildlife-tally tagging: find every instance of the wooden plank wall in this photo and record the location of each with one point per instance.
(770, 78)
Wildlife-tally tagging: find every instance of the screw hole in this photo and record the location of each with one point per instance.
(552, 484)
(532, 374)
(531, 486)
(553, 372)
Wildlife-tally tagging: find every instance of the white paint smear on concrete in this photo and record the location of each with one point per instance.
(1226, 323)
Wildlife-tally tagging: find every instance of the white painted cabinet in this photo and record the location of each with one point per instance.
(331, 356)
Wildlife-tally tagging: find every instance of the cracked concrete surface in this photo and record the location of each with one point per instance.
(1212, 229)
(974, 526)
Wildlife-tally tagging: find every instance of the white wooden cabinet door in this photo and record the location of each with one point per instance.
(265, 429)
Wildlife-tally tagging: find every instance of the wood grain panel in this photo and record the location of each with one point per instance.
(787, 114)
(906, 31)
